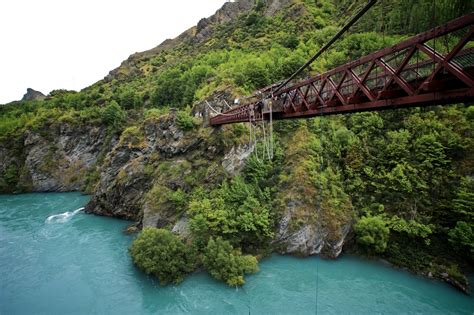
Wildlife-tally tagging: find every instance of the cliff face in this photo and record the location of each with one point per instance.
(127, 173)
(140, 173)
(313, 237)
(55, 159)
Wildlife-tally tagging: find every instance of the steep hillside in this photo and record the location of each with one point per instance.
(373, 183)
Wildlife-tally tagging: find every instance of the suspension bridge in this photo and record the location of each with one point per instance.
(432, 68)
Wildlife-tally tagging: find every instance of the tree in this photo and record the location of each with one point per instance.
(160, 253)
(462, 236)
(463, 204)
(185, 121)
(169, 88)
(372, 233)
(225, 263)
(411, 228)
(290, 41)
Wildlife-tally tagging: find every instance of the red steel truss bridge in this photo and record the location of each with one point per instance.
(432, 68)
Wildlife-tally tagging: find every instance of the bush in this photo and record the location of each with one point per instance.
(225, 263)
(372, 233)
(185, 121)
(290, 41)
(160, 253)
(462, 236)
(411, 228)
(179, 200)
(132, 136)
(113, 114)
(155, 113)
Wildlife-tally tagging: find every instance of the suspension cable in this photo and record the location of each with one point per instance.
(227, 104)
(351, 22)
(215, 111)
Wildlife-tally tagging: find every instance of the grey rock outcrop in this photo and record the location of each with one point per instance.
(33, 95)
(55, 159)
(234, 160)
(274, 6)
(182, 227)
(124, 178)
(58, 164)
(311, 237)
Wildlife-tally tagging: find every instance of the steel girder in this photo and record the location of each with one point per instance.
(427, 69)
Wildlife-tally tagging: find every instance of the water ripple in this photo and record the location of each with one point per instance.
(62, 217)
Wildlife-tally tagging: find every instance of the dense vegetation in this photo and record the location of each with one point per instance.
(404, 178)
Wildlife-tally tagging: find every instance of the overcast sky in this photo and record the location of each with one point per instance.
(71, 44)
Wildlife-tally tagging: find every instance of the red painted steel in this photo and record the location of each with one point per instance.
(393, 77)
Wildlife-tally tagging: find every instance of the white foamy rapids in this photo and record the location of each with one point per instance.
(63, 217)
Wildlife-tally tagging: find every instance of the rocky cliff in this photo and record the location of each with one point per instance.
(58, 158)
(127, 173)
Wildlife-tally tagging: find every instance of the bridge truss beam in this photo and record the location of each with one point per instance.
(434, 67)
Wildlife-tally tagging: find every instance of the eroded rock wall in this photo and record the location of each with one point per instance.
(53, 159)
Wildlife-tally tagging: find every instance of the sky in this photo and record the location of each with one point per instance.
(71, 44)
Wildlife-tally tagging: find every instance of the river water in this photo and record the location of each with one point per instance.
(54, 259)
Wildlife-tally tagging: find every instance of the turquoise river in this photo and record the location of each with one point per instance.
(54, 259)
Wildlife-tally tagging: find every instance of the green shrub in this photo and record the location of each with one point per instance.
(129, 99)
(132, 136)
(462, 236)
(113, 115)
(155, 113)
(372, 233)
(9, 178)
(185, 121)
(411, 228)
(290, 41)
(11, 174)
(179, 200)
(225, 263)
(162, 254)
(90, 181)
